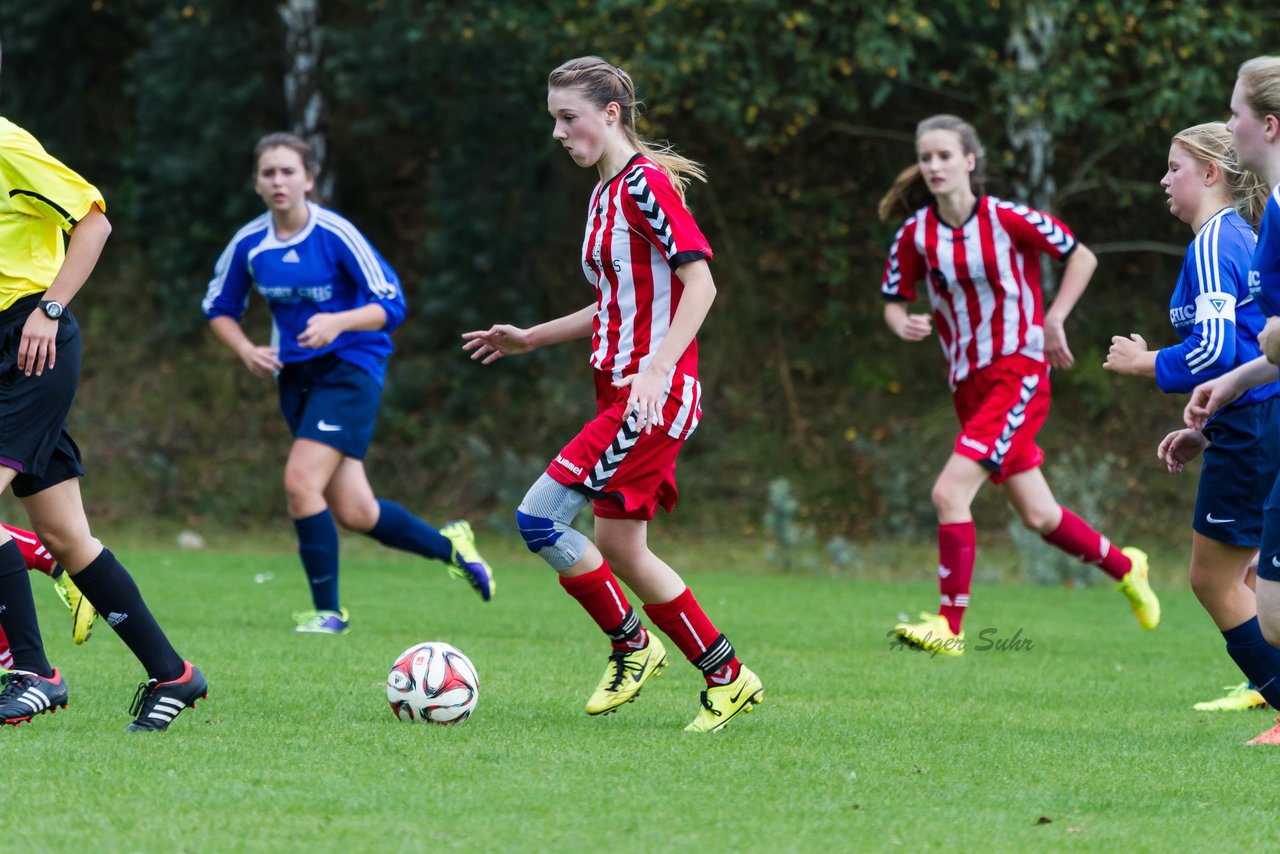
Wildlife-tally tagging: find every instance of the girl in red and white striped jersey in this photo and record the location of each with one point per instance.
(646, 260)
(979, 257)
(38, 559)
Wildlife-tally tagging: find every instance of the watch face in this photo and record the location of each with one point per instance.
(52, 308)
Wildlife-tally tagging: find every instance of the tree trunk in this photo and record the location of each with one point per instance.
(303, 92)
(1032, 44)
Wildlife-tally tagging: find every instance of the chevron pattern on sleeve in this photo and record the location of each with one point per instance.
(1052, 232)
(638, 187)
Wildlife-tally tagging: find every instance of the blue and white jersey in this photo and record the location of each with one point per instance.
(1213, 311)
(1264, 277)
(326, 267)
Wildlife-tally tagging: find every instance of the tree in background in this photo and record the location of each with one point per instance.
(802, 112)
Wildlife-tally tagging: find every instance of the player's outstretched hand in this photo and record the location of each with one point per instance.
(1123, 355)
(1055, 345)
(1207, 398)
(490, 345)
(261, 361)
(1181, 447)
(648, 393)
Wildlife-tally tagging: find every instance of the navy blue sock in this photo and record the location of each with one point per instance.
(400, 529)
(112, 591)
(1257, 659)
(318, 547)
(18, 613)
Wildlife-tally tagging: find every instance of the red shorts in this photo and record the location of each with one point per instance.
(628, 472)
(1002, 407)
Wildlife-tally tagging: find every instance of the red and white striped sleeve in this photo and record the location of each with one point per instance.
(1036, 230)
(904, 267)
(655, 210)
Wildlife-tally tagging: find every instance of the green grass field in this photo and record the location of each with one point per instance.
(1086, 741)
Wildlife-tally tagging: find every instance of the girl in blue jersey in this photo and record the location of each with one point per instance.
(1255, 133)
(334, 302)
(1218, 321)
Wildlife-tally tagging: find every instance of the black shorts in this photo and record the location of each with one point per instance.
(33, 410)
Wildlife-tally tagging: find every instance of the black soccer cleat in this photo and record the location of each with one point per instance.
(26, 695)
(156, 704)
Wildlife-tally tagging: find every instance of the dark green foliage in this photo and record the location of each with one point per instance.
(440, 146)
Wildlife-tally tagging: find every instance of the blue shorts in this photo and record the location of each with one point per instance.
(331, 402)
(1241, 464)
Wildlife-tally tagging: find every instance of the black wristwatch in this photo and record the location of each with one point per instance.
(51, 308)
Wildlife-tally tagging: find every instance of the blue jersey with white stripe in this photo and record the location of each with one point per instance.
(1264, 277)
(326, 267)
(1213, 311)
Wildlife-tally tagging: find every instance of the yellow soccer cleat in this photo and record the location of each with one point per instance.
(625, 675)
(722, 703)
(1136, 588)
(465, 562)
(322, 622)
(932, 634)
(1239, 698)
(83, 614)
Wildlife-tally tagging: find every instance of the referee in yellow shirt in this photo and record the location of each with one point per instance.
(40, 275)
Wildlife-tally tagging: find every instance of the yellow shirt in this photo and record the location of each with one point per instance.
(39, 200)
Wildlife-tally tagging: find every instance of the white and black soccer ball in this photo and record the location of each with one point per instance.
(433, 682)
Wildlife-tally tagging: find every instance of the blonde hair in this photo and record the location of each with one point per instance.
(1261, 77)
(602, 83)
(909, 192)
(1211, 143)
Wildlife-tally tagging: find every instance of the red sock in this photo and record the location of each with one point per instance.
(957, 547)
(6, 657)
(33, 551)
(1074, 536)
(683, 620)
(601, 595)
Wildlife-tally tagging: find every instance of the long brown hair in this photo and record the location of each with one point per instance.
(1211, 143)
(909, 192)
(602, 83)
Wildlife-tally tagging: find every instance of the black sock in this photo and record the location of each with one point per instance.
(111, 589)
(18, 613)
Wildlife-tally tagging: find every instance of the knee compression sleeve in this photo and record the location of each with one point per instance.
(544, 519)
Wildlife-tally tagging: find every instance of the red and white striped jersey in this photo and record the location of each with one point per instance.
(638, 233)
(984, 279)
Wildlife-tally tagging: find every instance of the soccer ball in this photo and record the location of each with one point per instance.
(433, 682)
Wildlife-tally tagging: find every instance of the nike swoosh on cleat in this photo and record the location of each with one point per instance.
(1212, 521)
(735, 697)
(636, 677)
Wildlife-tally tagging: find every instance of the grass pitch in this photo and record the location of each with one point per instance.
(1084, 741)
